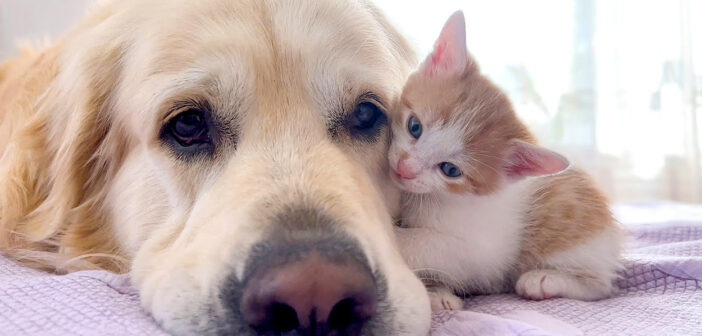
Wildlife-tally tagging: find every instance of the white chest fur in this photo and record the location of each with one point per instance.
(468, 242)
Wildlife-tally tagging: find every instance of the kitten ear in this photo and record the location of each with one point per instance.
(531, 160)
(450, 53)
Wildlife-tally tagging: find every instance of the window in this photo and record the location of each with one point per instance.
(616, 85)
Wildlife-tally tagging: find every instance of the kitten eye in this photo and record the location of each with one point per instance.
(414, 127)
(450, 170)
(188, 132)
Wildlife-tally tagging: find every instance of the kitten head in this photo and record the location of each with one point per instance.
(455, 131)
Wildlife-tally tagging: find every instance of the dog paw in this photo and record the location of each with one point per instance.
(539, 285)
(444, 299)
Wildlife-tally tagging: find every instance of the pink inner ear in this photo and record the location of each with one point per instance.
(530, 160)
(450, 53)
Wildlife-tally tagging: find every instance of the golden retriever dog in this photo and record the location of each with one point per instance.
(230, 154)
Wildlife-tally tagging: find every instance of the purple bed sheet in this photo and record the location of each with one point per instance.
(660, 293)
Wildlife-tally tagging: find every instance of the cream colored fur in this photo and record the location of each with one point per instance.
(85, 181)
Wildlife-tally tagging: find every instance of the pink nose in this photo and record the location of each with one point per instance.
(404, 171)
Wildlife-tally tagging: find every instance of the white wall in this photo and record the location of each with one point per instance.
(35, 20)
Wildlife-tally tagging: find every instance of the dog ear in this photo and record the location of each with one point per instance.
(55, 169)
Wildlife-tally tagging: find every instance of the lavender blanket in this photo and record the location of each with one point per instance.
(660, 294)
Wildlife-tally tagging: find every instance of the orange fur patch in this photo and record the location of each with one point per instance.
(566, 210)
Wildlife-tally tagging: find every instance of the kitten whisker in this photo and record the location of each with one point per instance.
(486, 165)
(483, 154)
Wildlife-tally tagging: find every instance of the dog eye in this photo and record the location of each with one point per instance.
(365, 116)
(414, 127)
(366, 120)
(450, 170)
(189, 128)
(189, 132)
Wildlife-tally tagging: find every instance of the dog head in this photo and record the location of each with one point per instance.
(234, 152)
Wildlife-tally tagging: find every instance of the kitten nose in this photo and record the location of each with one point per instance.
(404, 171)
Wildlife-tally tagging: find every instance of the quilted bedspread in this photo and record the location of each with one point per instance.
(660, 293)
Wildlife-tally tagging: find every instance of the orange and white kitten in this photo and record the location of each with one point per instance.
(485, 209)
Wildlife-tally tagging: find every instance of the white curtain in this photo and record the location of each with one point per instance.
(616, 85)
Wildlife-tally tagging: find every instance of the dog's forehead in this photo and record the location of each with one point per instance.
(281, 43)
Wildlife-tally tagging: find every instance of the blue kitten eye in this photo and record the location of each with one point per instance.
(449, 169)
(414, 127)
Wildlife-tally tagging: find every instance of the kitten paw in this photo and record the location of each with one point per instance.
(444, 299)
(539, 284)
(546, 284)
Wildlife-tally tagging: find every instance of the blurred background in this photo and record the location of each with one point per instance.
(616, 85)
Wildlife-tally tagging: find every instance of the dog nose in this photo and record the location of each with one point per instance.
(405, 171)
(313, 295)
